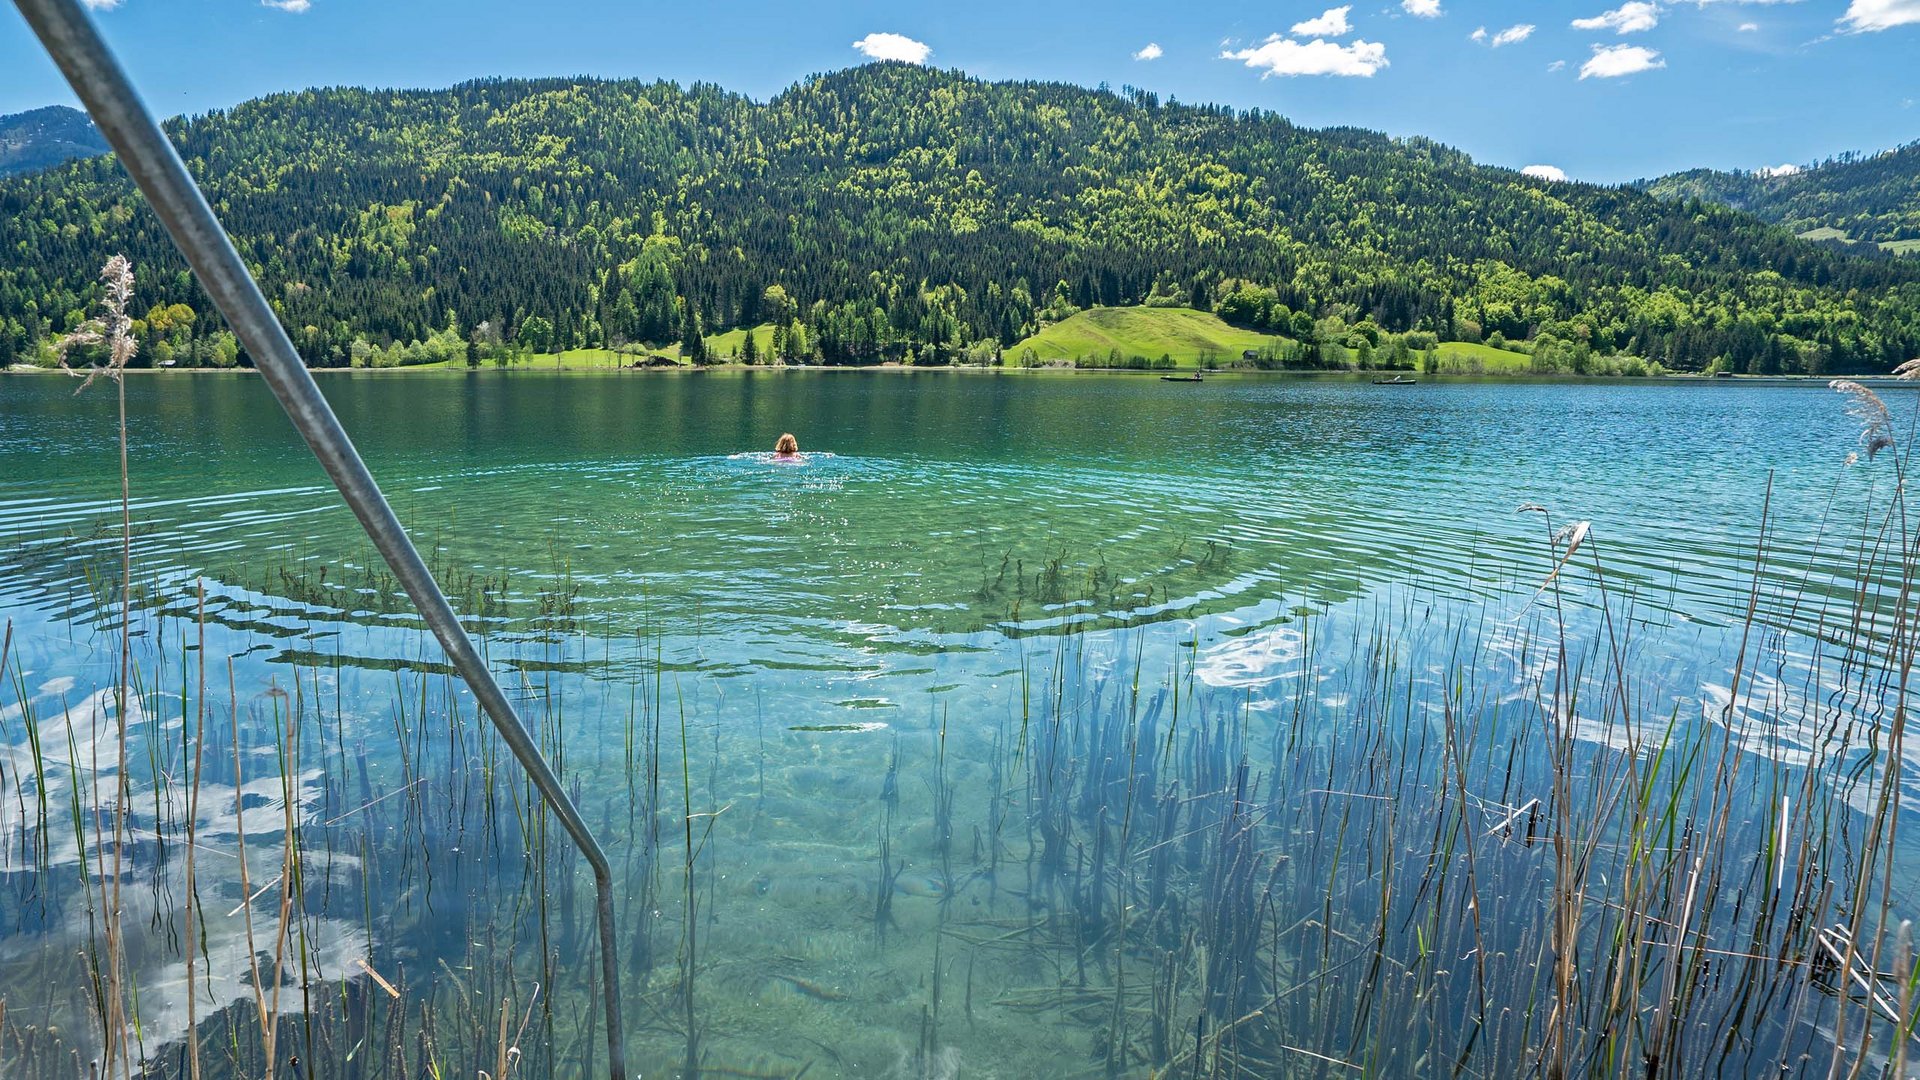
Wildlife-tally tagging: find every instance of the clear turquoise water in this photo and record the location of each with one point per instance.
(844, 670)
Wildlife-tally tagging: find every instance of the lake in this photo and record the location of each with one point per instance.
(1037, 724)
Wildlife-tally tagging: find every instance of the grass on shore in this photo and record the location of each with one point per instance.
(568, 360)
(726, 346)
(1184, 334)
(1470, 358)
(723, 346)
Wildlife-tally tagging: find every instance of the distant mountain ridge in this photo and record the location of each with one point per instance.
(895, 212)
(1863, 198)
(42, 138)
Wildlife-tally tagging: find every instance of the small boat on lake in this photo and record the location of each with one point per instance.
(1397, 380)
(1195, 377)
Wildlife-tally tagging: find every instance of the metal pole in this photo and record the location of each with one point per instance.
(70, 37)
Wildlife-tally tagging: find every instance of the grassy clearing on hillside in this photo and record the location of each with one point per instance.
(1182, 333)
(576, 359)
(1467, 358)
(1826, 232)
(569, 360)
(721, 347)
(727, 345)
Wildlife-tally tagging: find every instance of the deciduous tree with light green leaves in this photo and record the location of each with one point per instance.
(536, 333)
(907, 208)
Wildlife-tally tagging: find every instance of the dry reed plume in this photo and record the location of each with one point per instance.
(1876, 424)
(114, 328)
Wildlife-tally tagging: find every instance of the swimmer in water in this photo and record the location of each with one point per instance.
(787, 449)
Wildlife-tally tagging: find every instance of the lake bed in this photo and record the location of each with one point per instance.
(1033, 726)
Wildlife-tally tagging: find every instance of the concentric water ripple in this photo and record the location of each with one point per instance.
(949, 505)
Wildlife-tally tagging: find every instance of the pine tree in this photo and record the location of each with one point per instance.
(1408, 242)
(693, 344)
(749, 350)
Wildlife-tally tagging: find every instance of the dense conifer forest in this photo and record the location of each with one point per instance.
(42, 138)
(895, 212)
(1863, 198)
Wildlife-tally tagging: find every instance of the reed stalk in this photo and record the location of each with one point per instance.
(193, 916)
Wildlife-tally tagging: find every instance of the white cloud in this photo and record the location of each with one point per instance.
(1332, 23)
(1749, 27)
(103, 5)
(297, 7)
(1865, 16)
(1556, 65)
(1513, 35)
(1777, 170)
(1422, 9)
(1151, 52)
(1479, 35)
(1613, 61)
(1628, 18)
(888, 47)
(1545, 172)
(1284, 56)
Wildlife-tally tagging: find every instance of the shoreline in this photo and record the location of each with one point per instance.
(446, 371)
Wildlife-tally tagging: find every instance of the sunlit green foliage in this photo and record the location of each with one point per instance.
(892, 212)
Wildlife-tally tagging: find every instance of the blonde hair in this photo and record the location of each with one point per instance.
(787, 445)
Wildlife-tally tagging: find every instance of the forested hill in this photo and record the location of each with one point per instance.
(892, 210)
(42, 137)
(1871, 199)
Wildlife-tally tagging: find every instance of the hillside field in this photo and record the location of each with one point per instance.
(723, 347)
(1470, 358)
(1182, 333)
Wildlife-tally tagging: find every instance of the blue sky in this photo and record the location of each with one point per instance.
(1606, 90)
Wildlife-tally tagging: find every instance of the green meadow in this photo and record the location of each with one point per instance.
(727, 346)
(1186, 335)
(1828, 232)
(1471, 358)
(724, 347)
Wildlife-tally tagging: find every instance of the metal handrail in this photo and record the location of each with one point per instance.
(96, 76)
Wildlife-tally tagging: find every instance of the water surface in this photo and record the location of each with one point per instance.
(832, 679)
